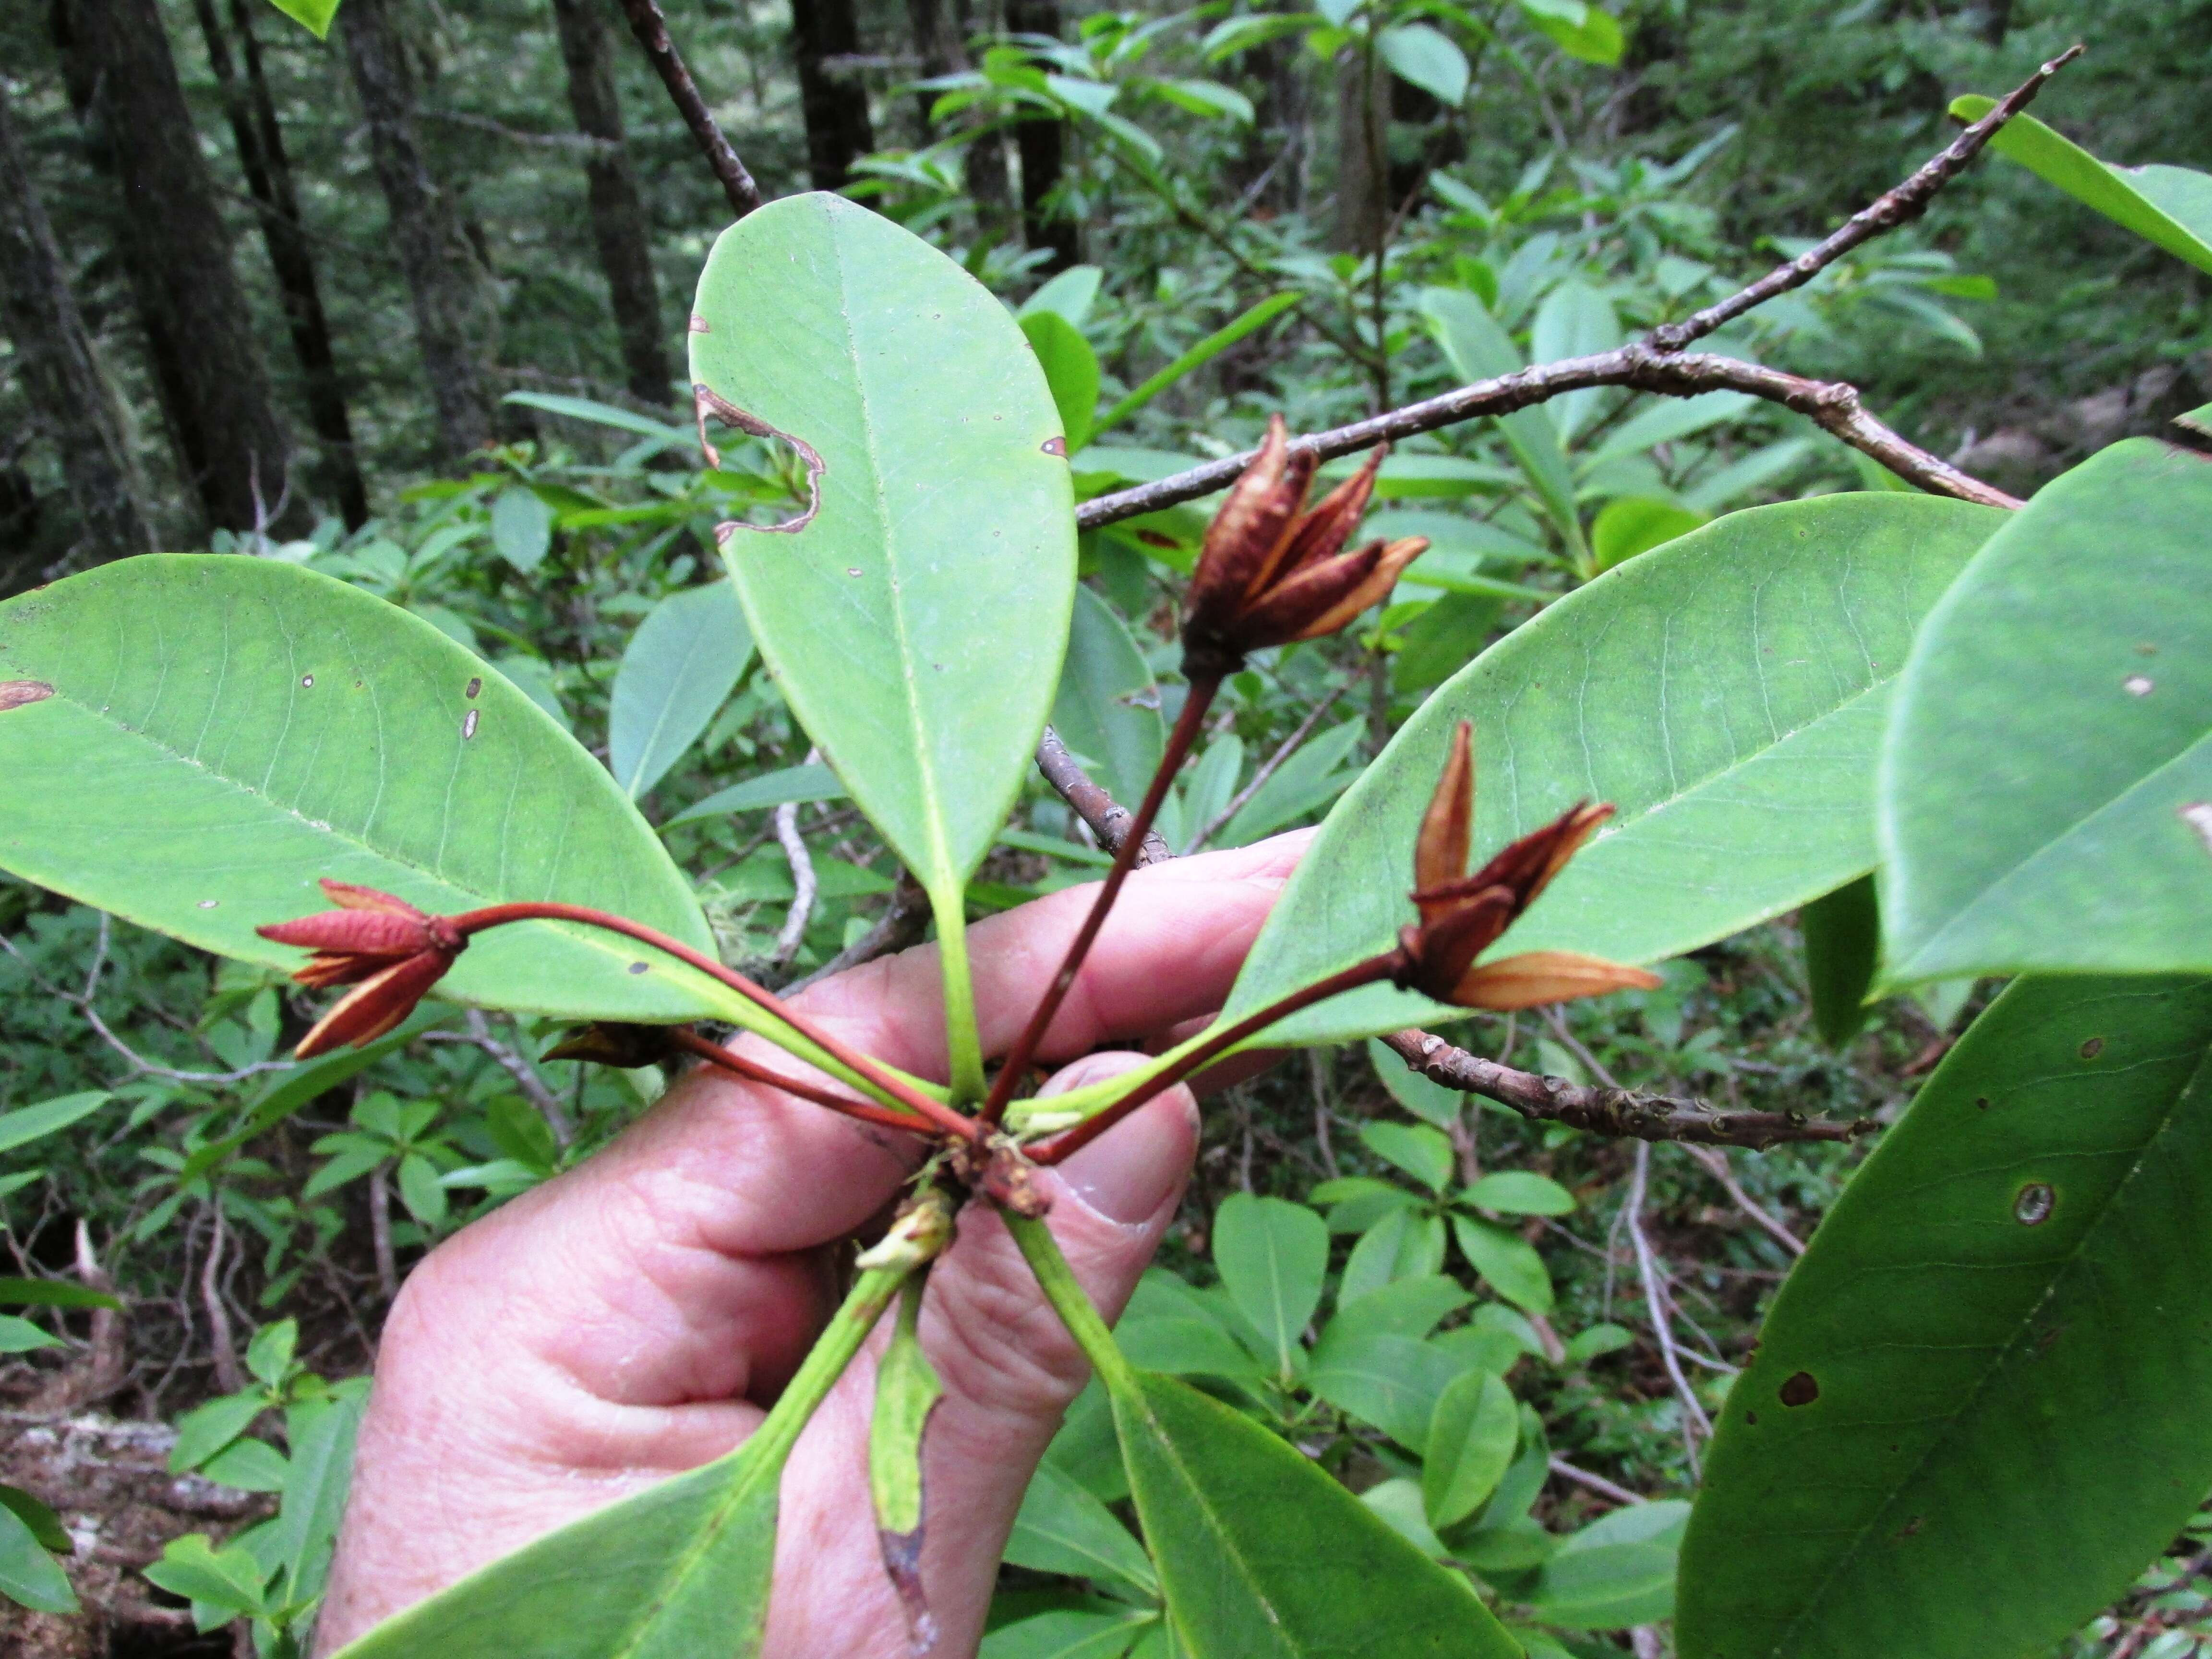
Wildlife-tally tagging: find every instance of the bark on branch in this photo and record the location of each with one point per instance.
(651, 29)
(1621, 1113)
(1108, 820)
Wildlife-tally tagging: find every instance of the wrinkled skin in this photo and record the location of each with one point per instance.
(630, 1319)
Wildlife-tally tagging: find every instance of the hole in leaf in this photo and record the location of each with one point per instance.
(2093, 1047)
(772, 481)
(17, 693)
(1801, 1390)
(2035, 1204)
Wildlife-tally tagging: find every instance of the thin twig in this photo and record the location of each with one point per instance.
(1833, 405)
(1900, 206)
(1622, 1113)
(1596, 1483)
(651, 29)
(1694, 1420)
(229, 1375)
(803, 885)
(1715, 1164)
(1108, 819)
(579, 141)
(1273, 763)
(510, 1061)
(901, 925)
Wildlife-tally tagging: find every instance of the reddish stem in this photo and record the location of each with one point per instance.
(476, 921)
(1180, 740)
(1375, 969)
(716, 1055)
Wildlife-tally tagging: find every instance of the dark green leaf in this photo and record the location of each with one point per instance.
(1635, 525)
(1725, 691)
(313, 730)
(31, 1124)
(1615, 1572)
(52, 1293)
(1405, 1307)
(207, 1429)
(1070, 369)
(1842, 946)
(1069, 1634)
(249, 1465)
(1977, 1408)
(1422, 1152)
(229, 1579)
(1520, 1191)
(1406, 1242)
(1509, 1264)
(1273, 1256)
(1424, 1099)
(1392, 1382)
(1472, 1435)
(679, 668)
(21, 1336)
(45, 1526)
(1263, 1556)
(778, 788)
(1108, 706)
(1062, 1528)
(2061, 820)
(319, 1472)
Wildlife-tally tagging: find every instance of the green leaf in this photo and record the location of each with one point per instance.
(1575, 320)
(1071, 294)
(421, 1190)
(248, 1464)
(2058, 819)
(29, 1576)
(1665, 421)
(30, 1123)
(1635, 524)
(21, 1336)
(1617, 1572)
(1596, 39)
(317, 1477)
(1842, 946)
(1509, 1264)
(1520, 1191)
(917, 622)
(313, 16)
(225, 731)
(1108, 706)
(521, 527)
(1429, 1101)
(1472, 1438)
(599, 413)
(2169, 206)
(777, 788)
(1246, 322)
(1062, 1528)
(676, 1572)
(1263, 1556)
(207, 1429)
(1273, 1256)
(45, 1526)
(1444, 638)
(1071, 370)
(1725, 691)
(1405, 1307)
(229, 1579)
(677, 671)
(52, 1293)
(1405, 1243)
(1976, 1407)
(1426, 58)
(1168, 1326)
(1070, 1633)
(268, 1356)
(1391, 1381)
(907, 1392)
(1422, 1152)
(1477, 348)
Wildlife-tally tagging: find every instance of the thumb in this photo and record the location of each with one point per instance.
(1009, 1368)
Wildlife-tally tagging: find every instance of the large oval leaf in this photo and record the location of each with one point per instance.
(916, 621)
(1725, 691)
(1263, 1556)
(222, 732)
(2046, 787)
(1977, 1406)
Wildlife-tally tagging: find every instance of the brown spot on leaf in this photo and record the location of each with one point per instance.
(469, 725)
(699, 325)
(1913, 1525)
(706, 402)
(1056, 446)
(17, 693)
(2035, 1204)
(1752, 1418)
(1801, 1390)
(2093, 1047)
(475, 686)
(1983, 1102)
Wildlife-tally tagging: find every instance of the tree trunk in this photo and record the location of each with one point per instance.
(618, 218)
(990, 187)
(444, 284)
(1041, 144)
(234, 447)
(268, 172)
(73, 398)
(836, 106)
(1362, 152)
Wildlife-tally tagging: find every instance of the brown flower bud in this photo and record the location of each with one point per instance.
(1462, 915)
(1270, 573)
(391, 952)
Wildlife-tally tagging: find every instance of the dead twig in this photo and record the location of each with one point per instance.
(1695, 1423)
(229, 1374)
(512, 1062)
(1596, 1483)
(651, 29)
(803, 882)
(1658, 363)
(899, 927)
(1622, 1113)
(1715, 1164)
(1108, 818)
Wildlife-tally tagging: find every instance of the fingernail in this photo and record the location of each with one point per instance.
(1136, 1166)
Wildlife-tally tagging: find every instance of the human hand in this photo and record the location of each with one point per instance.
(633, 1318)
